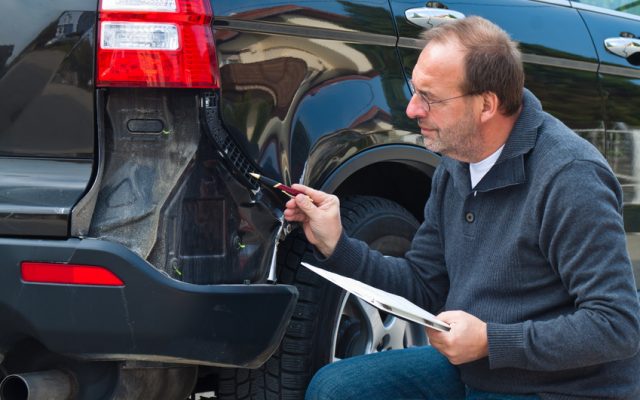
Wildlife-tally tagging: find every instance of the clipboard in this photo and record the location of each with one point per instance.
(382, 300)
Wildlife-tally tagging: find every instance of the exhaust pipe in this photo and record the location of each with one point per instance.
(47, 385)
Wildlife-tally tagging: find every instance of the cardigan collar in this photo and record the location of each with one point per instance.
(509, 169)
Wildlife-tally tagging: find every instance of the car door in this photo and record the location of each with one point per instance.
(560, 60)
(615, 26)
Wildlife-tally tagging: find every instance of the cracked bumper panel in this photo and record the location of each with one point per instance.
(152, 317)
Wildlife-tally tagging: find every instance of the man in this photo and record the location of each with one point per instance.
(522, 251)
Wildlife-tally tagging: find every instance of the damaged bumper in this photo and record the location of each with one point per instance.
(151, 317)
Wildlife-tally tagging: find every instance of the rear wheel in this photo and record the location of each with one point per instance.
(328, 324)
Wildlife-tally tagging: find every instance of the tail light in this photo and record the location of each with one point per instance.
(69, 274)
(156, 43)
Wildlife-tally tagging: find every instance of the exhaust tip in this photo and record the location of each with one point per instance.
(46, 385)
(13, 387)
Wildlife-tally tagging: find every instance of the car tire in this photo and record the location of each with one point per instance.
(328, 324)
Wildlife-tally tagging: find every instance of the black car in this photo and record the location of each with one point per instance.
(142, 260)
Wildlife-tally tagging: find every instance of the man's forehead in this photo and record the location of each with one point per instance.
(439, 62)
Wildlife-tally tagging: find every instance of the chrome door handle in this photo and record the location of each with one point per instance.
(429, 17)
(628, 48)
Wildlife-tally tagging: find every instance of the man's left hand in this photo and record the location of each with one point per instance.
(465, 342)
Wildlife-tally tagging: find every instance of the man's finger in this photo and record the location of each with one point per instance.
(295, 215)
(316, 195)
(305, 205)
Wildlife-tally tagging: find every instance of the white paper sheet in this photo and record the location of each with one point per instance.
(385, 301)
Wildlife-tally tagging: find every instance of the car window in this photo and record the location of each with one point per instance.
(628, 6)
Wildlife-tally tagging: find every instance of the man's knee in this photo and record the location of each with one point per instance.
(410, 372)
(327, 384)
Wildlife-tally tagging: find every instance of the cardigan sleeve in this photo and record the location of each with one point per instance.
(419, 276)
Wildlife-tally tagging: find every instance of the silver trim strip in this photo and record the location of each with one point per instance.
(304, 31)
(620, 71)
(527, 58)
(410, 43)
(560, 62)
(601, 10)
(564, 3)
(404, 42)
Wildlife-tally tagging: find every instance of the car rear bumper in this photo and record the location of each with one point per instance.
(152, 317)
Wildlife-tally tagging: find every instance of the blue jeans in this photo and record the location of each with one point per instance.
(413, 373)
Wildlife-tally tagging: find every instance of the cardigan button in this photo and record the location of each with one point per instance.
(469, 217)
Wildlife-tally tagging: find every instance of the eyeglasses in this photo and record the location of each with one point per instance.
(426, 103)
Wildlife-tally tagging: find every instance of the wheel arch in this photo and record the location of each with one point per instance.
(401, 173)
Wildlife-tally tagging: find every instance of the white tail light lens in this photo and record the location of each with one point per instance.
(139, 36)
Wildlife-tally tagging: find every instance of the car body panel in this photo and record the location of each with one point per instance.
(37, 194)
(46, 79)
(620, 82)
(46, 98)
(310, 84)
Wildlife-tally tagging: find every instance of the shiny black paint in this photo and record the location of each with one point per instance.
(304, 103)
(46, 79)
(362, 16)
(46, 98)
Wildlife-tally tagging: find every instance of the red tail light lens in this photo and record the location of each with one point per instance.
(156, 43)
(70, 274)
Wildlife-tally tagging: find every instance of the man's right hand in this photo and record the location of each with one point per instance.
(320, 218)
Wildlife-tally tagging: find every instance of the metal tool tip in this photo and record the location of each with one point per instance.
(257, 176)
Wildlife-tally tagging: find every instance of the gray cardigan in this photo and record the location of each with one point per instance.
(536, 250)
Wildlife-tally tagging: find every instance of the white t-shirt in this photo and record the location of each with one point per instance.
(480, 169)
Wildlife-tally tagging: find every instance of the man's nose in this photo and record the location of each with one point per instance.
(415, 109)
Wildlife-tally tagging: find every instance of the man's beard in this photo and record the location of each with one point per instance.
(458, 141)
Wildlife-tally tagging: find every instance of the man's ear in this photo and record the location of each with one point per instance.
(490, 106)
